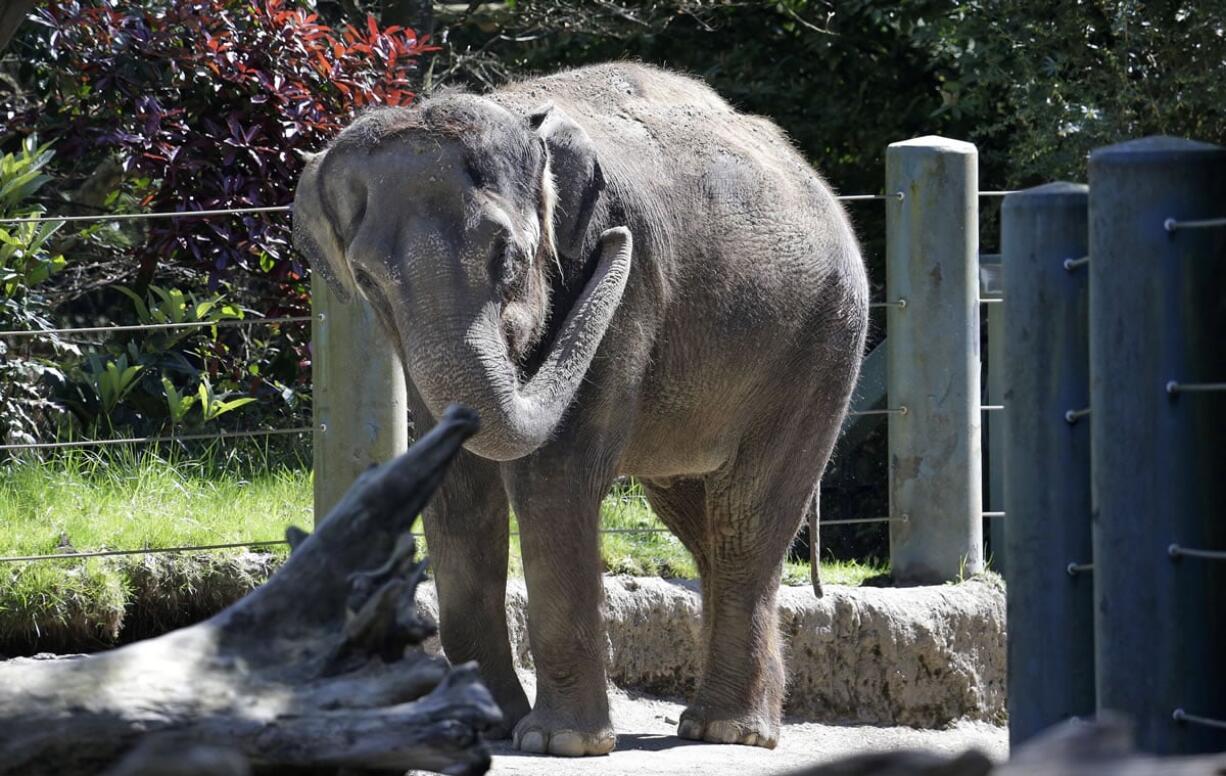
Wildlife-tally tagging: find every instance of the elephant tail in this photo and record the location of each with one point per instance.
(815, 571)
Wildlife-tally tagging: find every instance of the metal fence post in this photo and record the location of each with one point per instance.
(1047, 458)
(932, 238)
(1157, 322)
(360, 414)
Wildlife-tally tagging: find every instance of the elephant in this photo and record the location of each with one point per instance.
(624, 276)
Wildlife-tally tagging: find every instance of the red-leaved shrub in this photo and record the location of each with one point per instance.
(206, 103)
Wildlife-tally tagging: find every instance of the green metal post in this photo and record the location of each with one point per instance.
(360, 413)
(933, 345)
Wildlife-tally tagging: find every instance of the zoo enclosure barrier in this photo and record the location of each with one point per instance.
(924, 380)
(360, 415)
(1116, 374)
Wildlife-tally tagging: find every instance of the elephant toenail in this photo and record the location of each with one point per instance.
(532, 742)
(722, 733)
(567, 744)
(691, 729)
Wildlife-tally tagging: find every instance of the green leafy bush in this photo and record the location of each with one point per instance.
(152, 379)
(27, 262)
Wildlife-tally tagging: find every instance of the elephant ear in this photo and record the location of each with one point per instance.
(578, 180)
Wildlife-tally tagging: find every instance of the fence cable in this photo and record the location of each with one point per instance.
(1179, 715)
(1072, 416)
(231, 546)
(143, 551)
(157, 326)
(887, 411)
(156, 439)
(898, 195)
(1176, 552)
(859, 520)
(1173, 387)
(1171, 224)
(901, 304)
(146, 216)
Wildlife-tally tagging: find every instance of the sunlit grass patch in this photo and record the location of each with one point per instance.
(123, 498)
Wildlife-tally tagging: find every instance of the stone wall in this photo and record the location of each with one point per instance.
(919, 656)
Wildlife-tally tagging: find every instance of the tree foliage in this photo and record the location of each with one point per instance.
(1035, 83)
(1041, 84)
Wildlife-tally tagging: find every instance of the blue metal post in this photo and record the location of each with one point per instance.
(1158, 437)
(1047, 458)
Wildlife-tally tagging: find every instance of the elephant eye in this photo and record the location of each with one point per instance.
(363, 278)
(499, 265)
(479, 179)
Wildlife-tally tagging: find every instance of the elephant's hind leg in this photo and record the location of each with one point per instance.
(467, 527)
(754, 507)
(740, 695)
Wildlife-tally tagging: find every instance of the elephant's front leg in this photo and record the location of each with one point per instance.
(466, 534)
(558, 533)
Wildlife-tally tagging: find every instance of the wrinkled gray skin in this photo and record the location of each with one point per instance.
(624, 277)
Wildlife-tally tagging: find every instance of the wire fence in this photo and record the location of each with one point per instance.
(105, 217)
(227, 323)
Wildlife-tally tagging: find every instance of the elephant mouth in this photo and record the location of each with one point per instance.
(387, 320)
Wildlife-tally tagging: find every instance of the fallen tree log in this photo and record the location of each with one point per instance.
(318, 670)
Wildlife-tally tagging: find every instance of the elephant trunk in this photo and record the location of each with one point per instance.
(475, 367)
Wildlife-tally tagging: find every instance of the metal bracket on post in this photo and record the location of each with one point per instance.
(1045, 370)
(1157, 280)
(359, 394)
(932, 239)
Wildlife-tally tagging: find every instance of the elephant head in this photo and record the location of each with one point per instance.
(448, 218)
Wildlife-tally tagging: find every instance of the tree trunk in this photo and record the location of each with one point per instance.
(319, 670)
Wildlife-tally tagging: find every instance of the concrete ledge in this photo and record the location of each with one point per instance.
(920, 656)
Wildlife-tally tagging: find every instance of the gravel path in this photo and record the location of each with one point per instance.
(647, 745)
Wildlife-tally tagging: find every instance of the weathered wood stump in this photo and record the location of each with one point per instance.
(319, 670)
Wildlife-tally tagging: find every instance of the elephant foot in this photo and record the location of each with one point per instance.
(750, 729)
(514, 709)
(540, 733)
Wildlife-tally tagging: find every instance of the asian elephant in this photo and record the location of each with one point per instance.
(623, 276)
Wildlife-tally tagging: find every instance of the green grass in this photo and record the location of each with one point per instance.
(120, 498)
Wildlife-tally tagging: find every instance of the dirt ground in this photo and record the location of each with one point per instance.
(647, 745)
